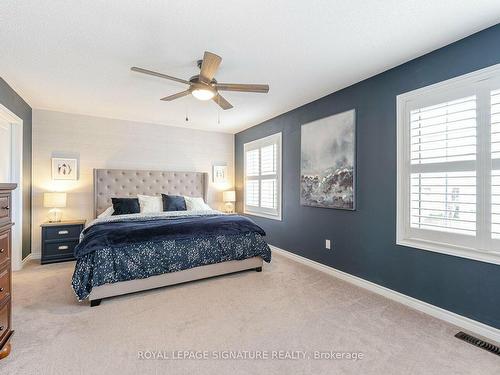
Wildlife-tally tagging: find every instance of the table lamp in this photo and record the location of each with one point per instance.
(229, 197)
(54, 201)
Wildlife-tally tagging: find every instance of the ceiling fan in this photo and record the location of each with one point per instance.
(204, 86)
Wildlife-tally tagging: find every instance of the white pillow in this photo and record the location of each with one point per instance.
(198, 204)
(106, 213)
(150, 204)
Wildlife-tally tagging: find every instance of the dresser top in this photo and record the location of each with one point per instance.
(62, 223)
(7, 186)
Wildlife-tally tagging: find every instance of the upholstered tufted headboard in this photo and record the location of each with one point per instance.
(122, 183)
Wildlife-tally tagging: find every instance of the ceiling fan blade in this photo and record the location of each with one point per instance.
(223, 103)
(161, 75)
(243, 87)
(209, 66)
(176, 96)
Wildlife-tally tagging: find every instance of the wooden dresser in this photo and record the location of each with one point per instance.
(5, 268)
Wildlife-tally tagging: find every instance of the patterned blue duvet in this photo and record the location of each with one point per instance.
(151, 245)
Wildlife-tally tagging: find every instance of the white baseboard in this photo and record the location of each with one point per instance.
(36, 255)
(467, 324)
(24, 261)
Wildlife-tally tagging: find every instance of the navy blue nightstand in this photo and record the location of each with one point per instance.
(59, 240)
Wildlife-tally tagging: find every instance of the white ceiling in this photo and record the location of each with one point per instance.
(75, 56)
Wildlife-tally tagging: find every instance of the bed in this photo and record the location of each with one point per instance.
(130, 253)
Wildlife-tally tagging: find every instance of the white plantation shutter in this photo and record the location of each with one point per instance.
(269, 186)
(445, 132)
(495, 156)
(495, 124)
(268, 159)
(444, 201)
(495, 204)
(252, 193)
(252, 163)
(443, 181)
(263, 177)
(449, 167)
(269, 193)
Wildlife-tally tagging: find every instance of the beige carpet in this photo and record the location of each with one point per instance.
(288, 307)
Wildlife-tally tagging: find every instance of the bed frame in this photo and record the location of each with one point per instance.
(110, 183)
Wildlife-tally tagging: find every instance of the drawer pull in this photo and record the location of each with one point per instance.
(1, 328)
(2, 250)
(1, 290)
(62, 247)
(5, 207)
(63, 232)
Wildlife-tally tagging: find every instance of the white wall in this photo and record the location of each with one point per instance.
(108, 143)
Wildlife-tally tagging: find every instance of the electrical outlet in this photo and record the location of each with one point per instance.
(327, 244)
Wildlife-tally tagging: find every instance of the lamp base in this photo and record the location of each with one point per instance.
(229, 208)
(55, 215)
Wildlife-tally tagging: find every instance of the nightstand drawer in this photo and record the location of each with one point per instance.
(4, 283)
(62, 232)
(59, 249)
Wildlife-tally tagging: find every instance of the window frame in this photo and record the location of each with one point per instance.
(481, 246)
(275, 138)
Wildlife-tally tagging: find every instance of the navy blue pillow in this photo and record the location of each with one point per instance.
(173, 202)
(124, 206)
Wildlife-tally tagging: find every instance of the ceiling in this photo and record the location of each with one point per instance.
(75, 56)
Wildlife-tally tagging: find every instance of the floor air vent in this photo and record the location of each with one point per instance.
(478, 342)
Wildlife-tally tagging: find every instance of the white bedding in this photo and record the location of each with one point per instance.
(150, 203)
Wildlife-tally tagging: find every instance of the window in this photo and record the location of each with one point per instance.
(263, 177)
(449, 167)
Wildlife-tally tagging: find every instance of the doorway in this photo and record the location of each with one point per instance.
(5, 151)
(11, 170)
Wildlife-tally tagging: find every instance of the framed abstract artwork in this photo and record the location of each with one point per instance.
(328, 162)
(219, 173)
(64, 169)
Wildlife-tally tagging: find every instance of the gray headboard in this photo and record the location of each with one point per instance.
(122, 183)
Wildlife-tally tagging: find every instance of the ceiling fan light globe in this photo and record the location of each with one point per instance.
(203, 94)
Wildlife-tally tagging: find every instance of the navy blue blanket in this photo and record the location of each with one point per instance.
(115, 234)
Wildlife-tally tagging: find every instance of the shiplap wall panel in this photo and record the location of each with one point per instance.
(109, 143)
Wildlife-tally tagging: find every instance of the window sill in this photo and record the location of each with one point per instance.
(462, 252)
(272, 217)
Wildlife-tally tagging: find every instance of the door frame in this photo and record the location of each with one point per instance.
(16, 174)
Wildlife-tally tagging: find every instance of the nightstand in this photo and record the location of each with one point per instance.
(59, 240)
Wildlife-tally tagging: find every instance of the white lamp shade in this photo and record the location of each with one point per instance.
(229, 196)
(54, 200)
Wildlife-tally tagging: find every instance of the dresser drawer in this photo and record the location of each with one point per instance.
(4, 320)
(4, 208)
(4, 283)
(62, 232)
(4, 247)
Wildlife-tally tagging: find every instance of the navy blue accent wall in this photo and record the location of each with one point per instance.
(365, 240)
(10, 99)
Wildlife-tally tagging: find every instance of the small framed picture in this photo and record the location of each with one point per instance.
(219, 174)
(64, 169)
